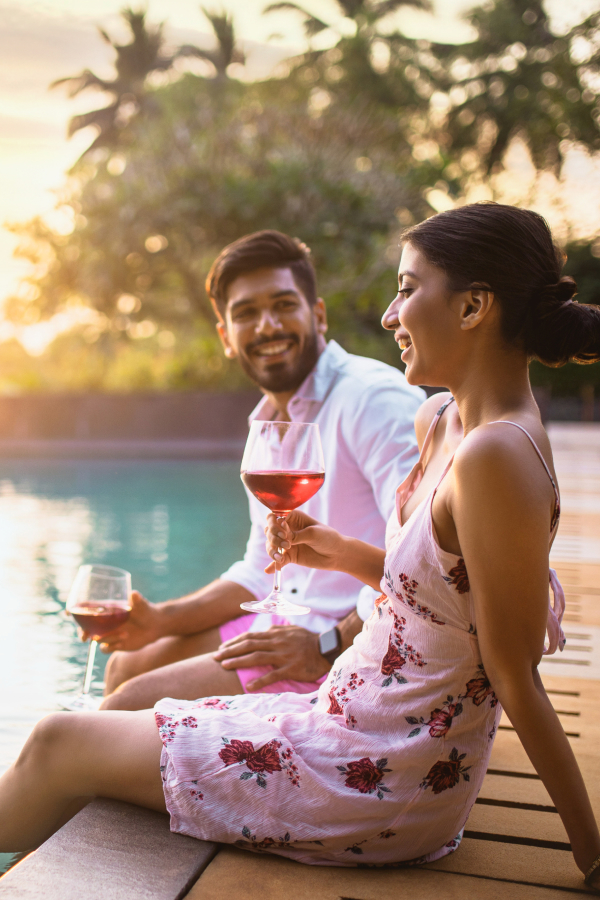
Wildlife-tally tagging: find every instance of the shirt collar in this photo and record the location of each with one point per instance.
(315, 386)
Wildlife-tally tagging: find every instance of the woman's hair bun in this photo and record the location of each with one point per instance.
(560, 330)
(561, 292)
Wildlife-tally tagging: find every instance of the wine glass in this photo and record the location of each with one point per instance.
(99, 601)
(283, 466)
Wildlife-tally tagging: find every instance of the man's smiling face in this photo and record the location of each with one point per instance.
(272, 329)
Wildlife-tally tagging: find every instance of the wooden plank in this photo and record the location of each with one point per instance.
(239, 874)
(514, 790)
(534, 865)
(110, 851)
(517, 822)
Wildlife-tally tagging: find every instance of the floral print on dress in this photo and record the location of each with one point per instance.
(166, 727)
(366, 776)
(440, 719)
(261, 762)
(479, 688)
(194, 793)
(214, 703)
(379, 602)
(458, 577)
(399, 652)
(446, 773)
(406, 594)
(340, 696)
(268, 843)
(356, 848)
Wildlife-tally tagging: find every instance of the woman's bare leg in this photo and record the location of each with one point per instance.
(69, 759)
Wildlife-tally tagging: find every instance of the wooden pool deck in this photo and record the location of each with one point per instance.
(515, 847)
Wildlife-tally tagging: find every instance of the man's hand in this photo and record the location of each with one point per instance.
(141, 628)
(291, 650)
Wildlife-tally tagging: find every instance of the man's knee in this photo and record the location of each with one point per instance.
(122, 698)
(121, 666)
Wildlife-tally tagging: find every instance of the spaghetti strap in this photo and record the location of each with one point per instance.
(413, 479)
(556, 515)
(556, 608)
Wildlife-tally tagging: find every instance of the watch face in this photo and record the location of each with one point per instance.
(329, 641)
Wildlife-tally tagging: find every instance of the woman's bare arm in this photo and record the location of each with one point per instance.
(502, 505)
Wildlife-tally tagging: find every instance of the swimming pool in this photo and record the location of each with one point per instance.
(175, 525)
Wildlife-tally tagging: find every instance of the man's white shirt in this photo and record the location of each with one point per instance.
(365, 410)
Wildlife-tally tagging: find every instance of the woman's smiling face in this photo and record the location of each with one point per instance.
(425, 319)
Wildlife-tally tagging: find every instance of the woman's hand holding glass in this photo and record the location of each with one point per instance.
(305, 542)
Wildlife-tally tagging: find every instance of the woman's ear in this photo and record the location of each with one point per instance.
(476, 304)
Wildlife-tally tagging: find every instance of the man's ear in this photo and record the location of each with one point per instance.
(320, 314)
(230, 353)
(476, 304)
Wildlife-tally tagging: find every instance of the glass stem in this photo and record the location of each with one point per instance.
(277, 579)
(89, 667)
(277, 574)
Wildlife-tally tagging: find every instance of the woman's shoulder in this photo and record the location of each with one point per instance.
(427, 412)
(502, 451)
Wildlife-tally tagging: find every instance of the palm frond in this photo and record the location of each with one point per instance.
(385, 7)
(78, 83)
(312, 25)
(102, 119)
(190, 50)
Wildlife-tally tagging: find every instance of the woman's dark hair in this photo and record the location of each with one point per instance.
(270, 249)
(511, 251)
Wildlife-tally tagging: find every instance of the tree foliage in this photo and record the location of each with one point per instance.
(339, 150)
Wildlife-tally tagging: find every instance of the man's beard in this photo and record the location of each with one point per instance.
(278, 379)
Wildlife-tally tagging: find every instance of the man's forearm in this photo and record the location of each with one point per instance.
(209, 607)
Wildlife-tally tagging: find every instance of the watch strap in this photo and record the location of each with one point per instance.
(331, 655)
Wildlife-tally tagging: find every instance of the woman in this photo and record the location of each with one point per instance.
(383, 764)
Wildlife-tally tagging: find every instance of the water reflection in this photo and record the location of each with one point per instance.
(174, 525)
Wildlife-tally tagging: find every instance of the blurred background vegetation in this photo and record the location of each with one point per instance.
(342, 147)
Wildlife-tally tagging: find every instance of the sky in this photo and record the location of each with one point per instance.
(43, 40)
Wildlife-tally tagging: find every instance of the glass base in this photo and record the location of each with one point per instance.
(81, 703)
(276, 603)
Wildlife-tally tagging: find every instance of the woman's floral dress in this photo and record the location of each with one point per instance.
(383, 763)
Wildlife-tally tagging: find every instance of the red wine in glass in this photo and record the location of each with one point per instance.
(283, 467)
(283, 491)
(102, 619)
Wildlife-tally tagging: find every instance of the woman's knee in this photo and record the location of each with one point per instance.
(50, 738)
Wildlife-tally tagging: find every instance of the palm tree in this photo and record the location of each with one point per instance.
(226, 52)
(519, 79)
(365, 13)
(136, 60)
(361, 77)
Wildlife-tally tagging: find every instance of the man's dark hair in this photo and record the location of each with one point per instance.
(263, 249)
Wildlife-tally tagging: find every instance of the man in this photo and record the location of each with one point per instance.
(263, 290)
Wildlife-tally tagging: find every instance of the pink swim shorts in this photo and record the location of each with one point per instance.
(238, 626)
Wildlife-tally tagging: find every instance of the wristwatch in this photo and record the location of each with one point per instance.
(330, 644)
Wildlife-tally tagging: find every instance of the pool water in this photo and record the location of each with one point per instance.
(175, 525)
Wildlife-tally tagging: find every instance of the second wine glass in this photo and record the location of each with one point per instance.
(99, 601)
(283, 466)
